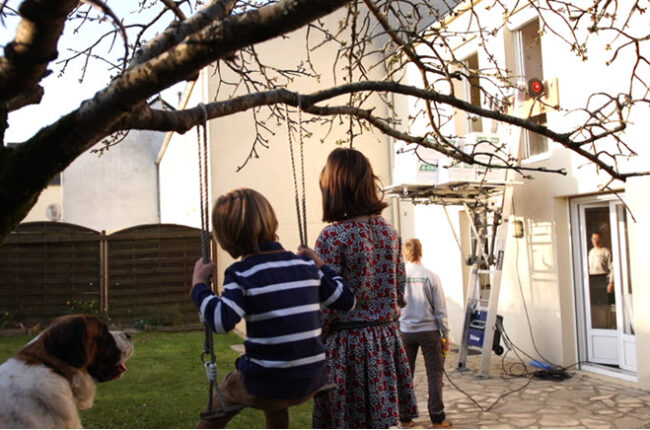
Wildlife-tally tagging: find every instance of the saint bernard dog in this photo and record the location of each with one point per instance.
(55, 375)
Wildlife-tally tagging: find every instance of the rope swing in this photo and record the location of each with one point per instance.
(208, 357)
(301, 201)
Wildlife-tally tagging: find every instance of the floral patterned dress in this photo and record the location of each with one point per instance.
(368, 364)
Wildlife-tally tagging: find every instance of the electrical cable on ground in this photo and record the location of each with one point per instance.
(478, 405)
(554, 372)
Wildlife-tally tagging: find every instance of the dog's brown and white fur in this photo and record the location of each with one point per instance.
(55, 375)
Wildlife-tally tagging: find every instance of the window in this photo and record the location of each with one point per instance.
(472, 93)
(528, 64)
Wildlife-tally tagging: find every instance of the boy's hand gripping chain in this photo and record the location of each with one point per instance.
(208, 348)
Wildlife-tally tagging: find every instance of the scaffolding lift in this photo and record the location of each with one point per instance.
(489, 207)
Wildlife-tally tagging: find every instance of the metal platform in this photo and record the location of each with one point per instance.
(470, 193)
(488, 206)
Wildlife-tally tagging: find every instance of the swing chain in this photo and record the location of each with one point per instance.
(302, 174)
(302, 216)
(208, 345)
(208, 356)
(203, 184)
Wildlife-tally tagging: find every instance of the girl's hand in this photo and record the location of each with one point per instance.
(308, 252)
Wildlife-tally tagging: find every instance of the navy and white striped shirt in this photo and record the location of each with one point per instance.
(280, 296)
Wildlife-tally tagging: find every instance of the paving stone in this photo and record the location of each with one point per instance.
(556, 401)
(567, 395)
(558, 421)
(579, 402)
(594, 423)
(582, 414)
(630, 423)
(451, 396)
(465, 423)
(485, 424)
(522, 422)
(628, 401)
(606, 397)
(609, 403)
(519, 415)
(606, 412)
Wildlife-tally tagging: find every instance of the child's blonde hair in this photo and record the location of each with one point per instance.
(412, 250)
(242, 219)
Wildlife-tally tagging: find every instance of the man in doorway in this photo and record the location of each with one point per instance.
(601, 283)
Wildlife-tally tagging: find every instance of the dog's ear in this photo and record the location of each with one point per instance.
(65, 341)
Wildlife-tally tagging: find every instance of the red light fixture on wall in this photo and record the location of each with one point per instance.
(536, 87)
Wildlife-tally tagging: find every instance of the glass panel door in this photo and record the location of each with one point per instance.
(601, 247)
(623, 290)
(599, 268)
(600, 299)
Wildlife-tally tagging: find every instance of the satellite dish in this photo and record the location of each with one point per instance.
(53, 212)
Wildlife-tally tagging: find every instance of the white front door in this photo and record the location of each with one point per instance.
(605, 296)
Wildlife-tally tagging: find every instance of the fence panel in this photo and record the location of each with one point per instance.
(139, 276)
(48, 269)
(149, 272)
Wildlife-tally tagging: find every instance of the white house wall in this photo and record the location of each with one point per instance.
(178, 170)
(110, 192)
(117, 189)
(231, 141)
(49, 196)
(271, 174)
(639, 203)
(538, 268)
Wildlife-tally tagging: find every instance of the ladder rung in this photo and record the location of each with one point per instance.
(484, 271)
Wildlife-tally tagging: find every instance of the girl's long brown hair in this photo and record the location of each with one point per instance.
(349, 186)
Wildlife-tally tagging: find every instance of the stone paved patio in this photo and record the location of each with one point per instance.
(583, 401)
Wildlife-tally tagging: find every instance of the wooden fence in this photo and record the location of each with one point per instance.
(137, 276)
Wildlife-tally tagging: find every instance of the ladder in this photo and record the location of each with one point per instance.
(490, 232)
(489, 229)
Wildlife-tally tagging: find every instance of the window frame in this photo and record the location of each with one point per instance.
(521, 75)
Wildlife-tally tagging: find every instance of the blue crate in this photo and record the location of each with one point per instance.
(475, 337)
(476, 332)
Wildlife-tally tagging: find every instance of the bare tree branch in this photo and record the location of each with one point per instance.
(384, 52)
(28, 55)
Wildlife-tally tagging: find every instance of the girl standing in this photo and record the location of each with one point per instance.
(366, 358)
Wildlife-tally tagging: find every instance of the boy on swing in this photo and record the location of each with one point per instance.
(280, 295)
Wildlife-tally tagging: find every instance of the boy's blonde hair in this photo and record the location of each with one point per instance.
(242, 219)
(412, 250)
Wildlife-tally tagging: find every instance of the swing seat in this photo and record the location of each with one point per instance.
(221, 412)
(325, 389)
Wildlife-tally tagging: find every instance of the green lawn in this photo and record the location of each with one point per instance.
(165, 386)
